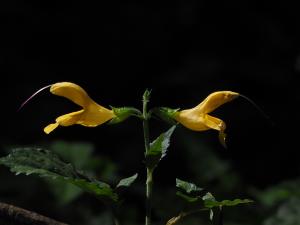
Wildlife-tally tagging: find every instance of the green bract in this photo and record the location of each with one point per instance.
(123, 113)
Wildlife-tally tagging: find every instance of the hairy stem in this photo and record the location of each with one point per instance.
(149, 181)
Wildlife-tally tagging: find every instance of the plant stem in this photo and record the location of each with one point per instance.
(116, 221)
(149, 181)
(115, 216)
(149, 185)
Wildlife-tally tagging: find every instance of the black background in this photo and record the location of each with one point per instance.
(182, 50)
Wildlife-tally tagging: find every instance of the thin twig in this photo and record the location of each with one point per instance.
(181, 215)
(24, 217)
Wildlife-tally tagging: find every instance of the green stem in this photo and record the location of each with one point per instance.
(115, 216)
(149, 185)
(116, 221)
(149, 181)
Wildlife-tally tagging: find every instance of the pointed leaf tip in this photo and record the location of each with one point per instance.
(126, 182)
(158, 148)
(187, 187)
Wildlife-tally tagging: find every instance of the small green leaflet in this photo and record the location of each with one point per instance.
(158, 148)
(126, 182)
(208, 200)
(212, 204)
(45, 163)
(187, 197)
(187, 187)
(208, 196)
(191, 191)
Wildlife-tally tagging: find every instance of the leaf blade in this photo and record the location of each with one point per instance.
(187, 186)
(46, 164)
(158, 148)
(126, 182)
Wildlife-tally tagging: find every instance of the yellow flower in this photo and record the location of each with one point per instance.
(91, 115)
(197, 118)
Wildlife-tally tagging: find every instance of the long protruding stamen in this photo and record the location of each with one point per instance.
(258, 108)
(38, 91)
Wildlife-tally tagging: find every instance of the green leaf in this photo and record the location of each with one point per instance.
(187, 187)
(191, 191)
(158, 148)
(208, 196)
(286, 214)
(213, 203)
(279, 193)
(187, 197)
(44, 163)
(126, 182)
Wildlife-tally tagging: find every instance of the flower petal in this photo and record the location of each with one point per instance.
(48, 129)
(216, 124)
(191, 119)
(71, 91)
(95, 115)
(92, 116)
(70, 118)
(64, 120)
(214, 100)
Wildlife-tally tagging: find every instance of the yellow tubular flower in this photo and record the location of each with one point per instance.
(91, 115)
(197, 118)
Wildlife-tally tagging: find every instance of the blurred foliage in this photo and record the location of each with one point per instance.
(206, 165)
(288, 213)
(81, 155)
(277, 204)
(277, 194)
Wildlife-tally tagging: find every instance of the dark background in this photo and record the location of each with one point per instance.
(182, 51)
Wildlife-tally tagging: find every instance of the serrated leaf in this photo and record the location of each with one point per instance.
(187, 186)
(45, 163)
(126, 182)
(212, 204)
(160, 145)
(158, 148)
